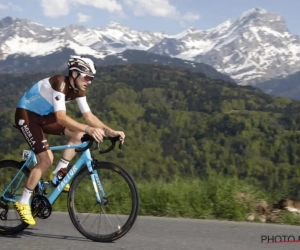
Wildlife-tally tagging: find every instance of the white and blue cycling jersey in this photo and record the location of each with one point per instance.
(44, 97)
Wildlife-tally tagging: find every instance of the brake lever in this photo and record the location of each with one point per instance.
(120, 145)
(113, 141)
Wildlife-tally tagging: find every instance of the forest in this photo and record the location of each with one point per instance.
(180, 125)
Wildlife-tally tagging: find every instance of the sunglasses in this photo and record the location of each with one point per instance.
(87, 77)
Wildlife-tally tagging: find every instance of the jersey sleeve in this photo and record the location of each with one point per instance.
(58, 100)
(58, 95)
(82, 104)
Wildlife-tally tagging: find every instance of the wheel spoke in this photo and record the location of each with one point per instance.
(11, 223)
(120, 211)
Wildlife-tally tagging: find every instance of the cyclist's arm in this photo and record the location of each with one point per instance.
(66, 121)
(90, 118)
(59, 105)
(94, 121)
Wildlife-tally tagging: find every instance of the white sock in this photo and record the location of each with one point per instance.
(25, 196)
(62, 164)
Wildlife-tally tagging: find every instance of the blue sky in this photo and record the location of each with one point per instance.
(169, 16)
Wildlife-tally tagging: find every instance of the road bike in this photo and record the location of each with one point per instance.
(99, 185)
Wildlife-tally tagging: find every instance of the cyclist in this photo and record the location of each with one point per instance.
(42, 110)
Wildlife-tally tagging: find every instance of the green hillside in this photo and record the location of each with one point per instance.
(179, 124)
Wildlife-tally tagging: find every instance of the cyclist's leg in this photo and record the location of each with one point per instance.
(27, 123)
(50, 126)
(74, 137)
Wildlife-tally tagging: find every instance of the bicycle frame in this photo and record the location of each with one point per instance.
(85, 158)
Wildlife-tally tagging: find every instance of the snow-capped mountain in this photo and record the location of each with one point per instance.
(252, 48)
(23, 37)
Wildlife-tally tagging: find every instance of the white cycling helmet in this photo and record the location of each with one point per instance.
(82, 64)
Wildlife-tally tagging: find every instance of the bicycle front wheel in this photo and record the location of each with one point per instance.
(10, 222)
(112, 220)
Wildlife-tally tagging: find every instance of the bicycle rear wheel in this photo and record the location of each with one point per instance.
(10, 222)
(120, 212)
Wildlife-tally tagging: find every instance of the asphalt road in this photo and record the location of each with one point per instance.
(151, 233)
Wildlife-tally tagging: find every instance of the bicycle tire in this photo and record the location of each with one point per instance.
(134, 210)
(22, 225)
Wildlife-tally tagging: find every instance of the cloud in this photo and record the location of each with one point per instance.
(110, 5)
(83, 18)
(14, 7)
(10, 5)
(55, 8)
(190, 17)
(160, 8)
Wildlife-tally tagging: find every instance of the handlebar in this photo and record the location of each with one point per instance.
(90, 139)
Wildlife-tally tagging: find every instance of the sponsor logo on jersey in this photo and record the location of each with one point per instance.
(58, 97)
(32, 98)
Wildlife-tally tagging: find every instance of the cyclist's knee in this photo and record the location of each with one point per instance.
(75, 137)
(45, 159)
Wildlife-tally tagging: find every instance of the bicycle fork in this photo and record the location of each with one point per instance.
(98, 186)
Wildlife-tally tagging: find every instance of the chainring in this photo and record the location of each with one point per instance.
(41, 207)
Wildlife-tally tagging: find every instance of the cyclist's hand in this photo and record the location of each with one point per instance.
(118, 133)
(97, 134)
